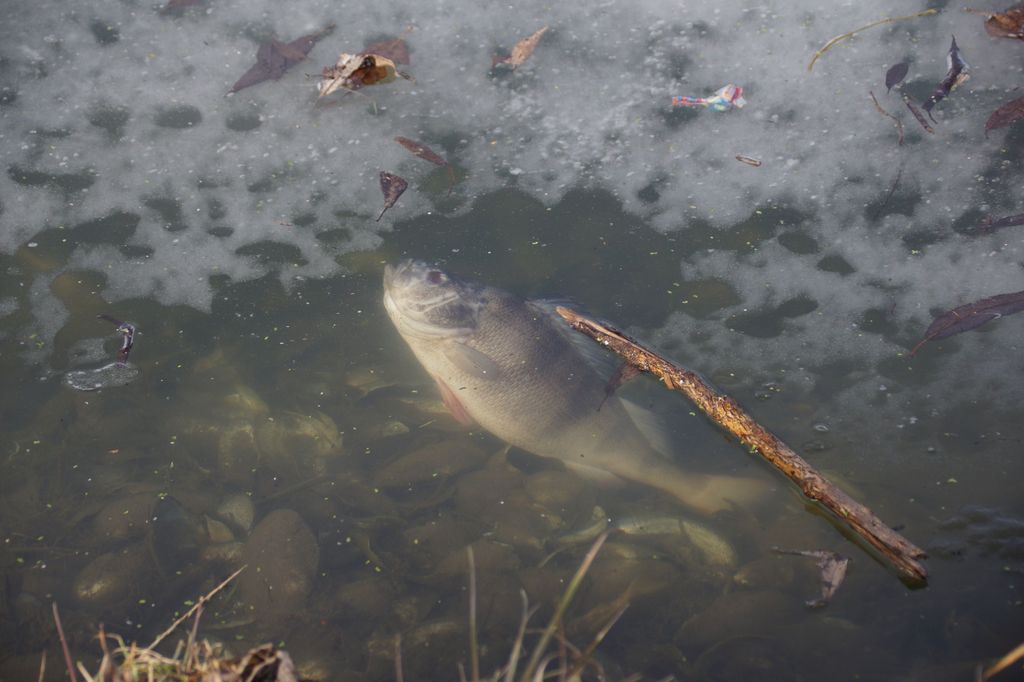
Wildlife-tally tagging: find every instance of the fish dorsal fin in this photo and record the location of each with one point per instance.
(651, 426)
(471, 361)
(604, 361)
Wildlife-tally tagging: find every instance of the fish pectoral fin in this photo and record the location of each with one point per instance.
(471, 361)
(454, 405)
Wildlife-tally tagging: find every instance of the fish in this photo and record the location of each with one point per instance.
(510, 366)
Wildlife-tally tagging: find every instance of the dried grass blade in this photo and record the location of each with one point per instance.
(64, 645)
(899, 123)
(474, 651)
(839, 38)
(563, 605)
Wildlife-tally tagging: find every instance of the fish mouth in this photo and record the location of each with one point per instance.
(409, 300)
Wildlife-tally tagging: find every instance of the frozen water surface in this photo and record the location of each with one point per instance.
(239, 230)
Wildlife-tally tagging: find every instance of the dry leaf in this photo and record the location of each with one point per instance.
(391, 186)
(917, 114)
(972, 315)
(1009, 113)
(1009, 24)
(832, 567)
(353, 71)
(276, 57)
(521, 52)
(396, 50)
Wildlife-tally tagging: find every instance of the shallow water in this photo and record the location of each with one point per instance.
(238, 235)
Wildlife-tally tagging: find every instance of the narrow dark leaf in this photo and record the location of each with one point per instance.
(427, 154)
(956, 74)
(276, 57)
(391, 186)
(895, 75)
(397, 50)
(421, 150)
(989, 225)
(972, 315)
(1009, 113)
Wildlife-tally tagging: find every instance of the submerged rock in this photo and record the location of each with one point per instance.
(282, 556)
(114, 579)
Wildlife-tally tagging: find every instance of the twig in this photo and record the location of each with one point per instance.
(474, 652)
(899, 123)
(727, 413)
(190, 647)
(1001, 665)
(42, 666)
(563, 604)
(917, 114)
(64, 645)
(398, 657)
(839, 38)
(199, 604)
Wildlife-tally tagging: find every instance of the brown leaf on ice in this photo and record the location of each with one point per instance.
(427, 154)
(1009, 113)
(521, 52)
(832, 567)
(397, 50)
(972, 315)
(391, 186)
(1009, 24)
(353, 71)
(276, 57)
(917, 114)
(895, 75)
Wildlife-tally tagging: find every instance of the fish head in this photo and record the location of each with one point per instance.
(424, 302)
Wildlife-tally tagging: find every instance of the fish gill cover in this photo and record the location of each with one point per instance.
(116, 135)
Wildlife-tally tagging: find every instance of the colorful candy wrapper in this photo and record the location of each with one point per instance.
(724, 99)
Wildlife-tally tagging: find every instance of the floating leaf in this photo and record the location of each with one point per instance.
(397, 50)
(832, 567)
(895, 75)
(276, 57)
(127, 332)
(989, 225)
(353, 71)
(391, 186)
(427, 154)
(1009, 113)
(844, 36)
(521, 52)
(972, 315)
(1009, 24)
(956, 74)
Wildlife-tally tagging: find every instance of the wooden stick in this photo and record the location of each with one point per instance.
(727, 413)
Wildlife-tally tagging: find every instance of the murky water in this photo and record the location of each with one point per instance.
(277, 420)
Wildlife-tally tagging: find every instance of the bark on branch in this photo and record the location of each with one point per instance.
(727, 413)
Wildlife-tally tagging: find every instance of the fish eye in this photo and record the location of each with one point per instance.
(368, 63)
(435, 277)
